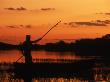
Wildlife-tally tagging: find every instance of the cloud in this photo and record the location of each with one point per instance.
(107, 13)
(19, 9)
(28, 26)
(25, 26)
(19, 26)
(90, 23)
(47, 9)
(13, 26)
(10, 8)
(103, 13)
(104, 21)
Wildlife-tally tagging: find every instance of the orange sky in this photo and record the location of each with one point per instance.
(41, 20)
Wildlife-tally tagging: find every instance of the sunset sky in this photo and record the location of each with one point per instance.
(80, 19)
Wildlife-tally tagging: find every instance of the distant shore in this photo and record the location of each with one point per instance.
(97, 46)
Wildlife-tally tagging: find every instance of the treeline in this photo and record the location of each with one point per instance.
(6, 46)
(83, 46)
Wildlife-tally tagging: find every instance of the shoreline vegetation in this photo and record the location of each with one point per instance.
(97, 46)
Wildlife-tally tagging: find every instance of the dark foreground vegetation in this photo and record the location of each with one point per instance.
(83, 69)
(79, 69)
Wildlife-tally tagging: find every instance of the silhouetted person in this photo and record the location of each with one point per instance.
(26, 49)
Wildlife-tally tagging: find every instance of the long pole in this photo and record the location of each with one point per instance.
(50, 29)
(45, 33)
(19, 58)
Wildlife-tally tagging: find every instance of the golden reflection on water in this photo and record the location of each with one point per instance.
(13, 55)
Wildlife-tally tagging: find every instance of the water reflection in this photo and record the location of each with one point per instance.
(13, 55)
(55, 67)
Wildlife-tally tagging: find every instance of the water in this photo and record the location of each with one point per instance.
(100, 70)
(13, 55)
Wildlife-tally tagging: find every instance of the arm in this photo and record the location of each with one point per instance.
(36, 40)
